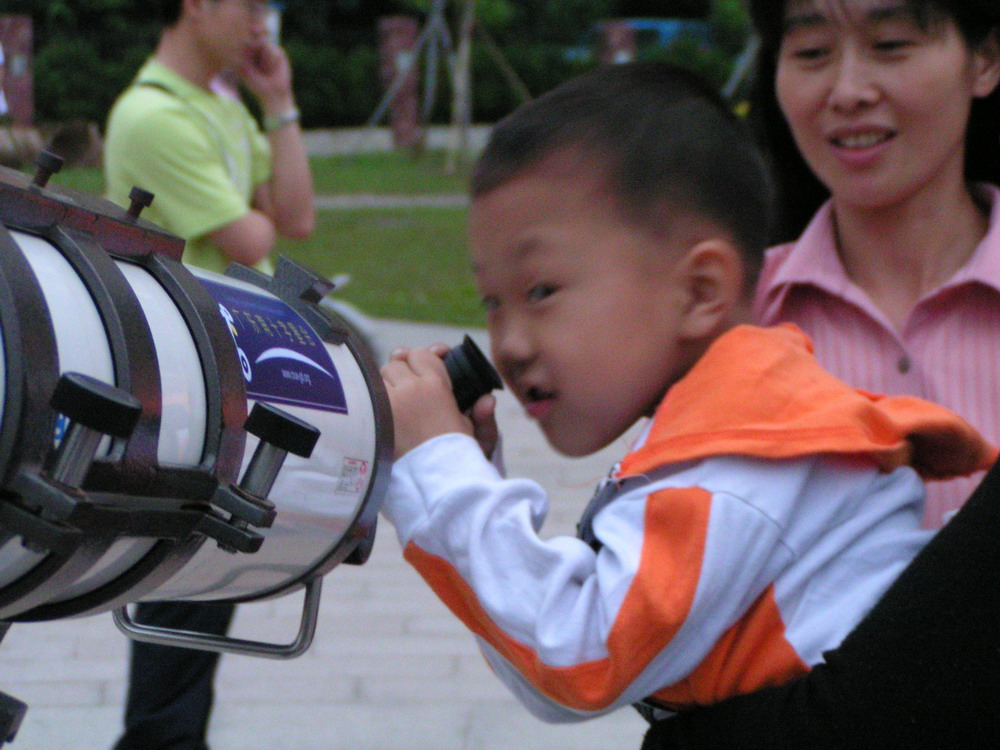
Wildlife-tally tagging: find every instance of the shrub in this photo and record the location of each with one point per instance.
(540, 67)
(72, 82)
(333, 87)
(713, 63)
(336, 88)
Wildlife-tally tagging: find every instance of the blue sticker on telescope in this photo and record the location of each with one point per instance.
(283, 359)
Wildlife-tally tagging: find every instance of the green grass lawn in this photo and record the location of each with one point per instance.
(385, 173)
(84, 179)
(379, 173)
(409, 264)
(405, 263)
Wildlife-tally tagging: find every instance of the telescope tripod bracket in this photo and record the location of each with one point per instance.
(230, 535)
(280, 433)
(38, 532)
(225, 644)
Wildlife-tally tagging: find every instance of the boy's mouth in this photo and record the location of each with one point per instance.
(537, 402)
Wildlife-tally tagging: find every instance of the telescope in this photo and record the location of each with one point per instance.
(169, 433)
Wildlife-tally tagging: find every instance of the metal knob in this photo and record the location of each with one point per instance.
(138, 200)
(94, 409)
(47, 164)
(280, 434)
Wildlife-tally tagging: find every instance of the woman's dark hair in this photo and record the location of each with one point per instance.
(664, 139)
(170, 12)
(799, 192)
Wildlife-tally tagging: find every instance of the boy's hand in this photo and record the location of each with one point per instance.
(423, 406)
(482, 414)
(484, 424)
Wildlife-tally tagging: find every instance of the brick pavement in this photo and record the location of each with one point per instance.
(346, 141)
(390, 668)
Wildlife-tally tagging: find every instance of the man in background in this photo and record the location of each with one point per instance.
(229, 188)
(220, 183)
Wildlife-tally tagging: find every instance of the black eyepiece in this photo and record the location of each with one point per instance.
(471, 373)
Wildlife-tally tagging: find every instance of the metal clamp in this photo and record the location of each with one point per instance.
(280, 433)
(225, 644)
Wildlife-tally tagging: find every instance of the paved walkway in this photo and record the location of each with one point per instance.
(342, 141)
(390, 668)
(363, 200)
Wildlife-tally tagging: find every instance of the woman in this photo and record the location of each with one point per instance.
(882, 118)
(895, 276)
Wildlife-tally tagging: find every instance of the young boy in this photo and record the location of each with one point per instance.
(616, 227)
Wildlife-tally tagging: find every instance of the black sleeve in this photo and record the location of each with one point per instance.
(922, 670)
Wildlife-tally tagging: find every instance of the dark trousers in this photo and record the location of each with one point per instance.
(922, 670)
(170, 689)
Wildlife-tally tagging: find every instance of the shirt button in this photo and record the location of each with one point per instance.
(903, 365)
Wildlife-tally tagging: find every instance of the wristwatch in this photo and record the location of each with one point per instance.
(276, 122)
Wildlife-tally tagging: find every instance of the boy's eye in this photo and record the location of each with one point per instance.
(489, 303)
(540, 292)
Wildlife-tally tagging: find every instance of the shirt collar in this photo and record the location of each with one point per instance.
(812, 260)
(159, 74)
(984, 265)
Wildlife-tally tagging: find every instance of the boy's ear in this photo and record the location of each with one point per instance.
(713, 280)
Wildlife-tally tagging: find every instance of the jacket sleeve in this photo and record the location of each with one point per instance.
(574, 632)
(921, 670)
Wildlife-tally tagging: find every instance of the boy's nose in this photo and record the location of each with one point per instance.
(511, 346)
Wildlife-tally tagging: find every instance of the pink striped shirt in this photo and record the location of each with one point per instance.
(948, 350)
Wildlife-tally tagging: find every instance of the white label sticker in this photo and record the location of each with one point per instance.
(353, 476)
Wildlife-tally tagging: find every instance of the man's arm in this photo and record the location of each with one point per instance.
(284, 204)
(248, 240)
(288, 198)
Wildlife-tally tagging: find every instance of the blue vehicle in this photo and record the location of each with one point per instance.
(651, 35)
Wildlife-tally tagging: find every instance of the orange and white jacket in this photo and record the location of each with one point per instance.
(780, 505)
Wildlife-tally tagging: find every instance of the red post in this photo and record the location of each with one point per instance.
(617, 42)
(18, 84)
(397, 56)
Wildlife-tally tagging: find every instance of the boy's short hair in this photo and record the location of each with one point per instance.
(665, 139)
